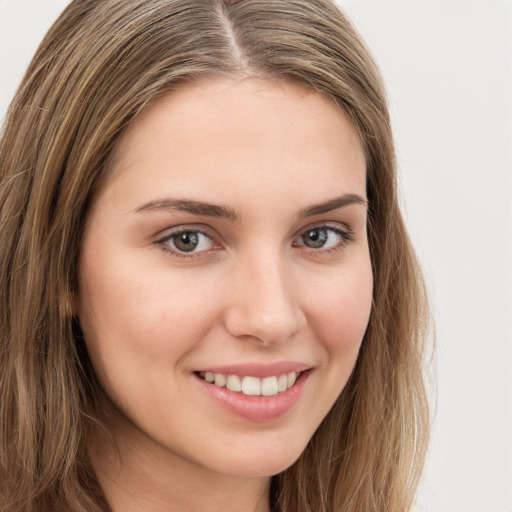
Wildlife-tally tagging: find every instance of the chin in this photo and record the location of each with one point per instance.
(261, 463)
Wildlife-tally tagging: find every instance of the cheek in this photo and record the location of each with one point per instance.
(138, 334)
(133, 316)
(342, 311)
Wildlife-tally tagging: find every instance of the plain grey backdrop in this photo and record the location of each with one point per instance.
(448, 68)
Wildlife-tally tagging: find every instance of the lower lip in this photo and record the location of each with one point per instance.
(256, 408)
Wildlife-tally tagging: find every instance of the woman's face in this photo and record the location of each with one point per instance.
(229, 244)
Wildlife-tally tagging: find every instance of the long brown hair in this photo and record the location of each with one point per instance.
(98, 66)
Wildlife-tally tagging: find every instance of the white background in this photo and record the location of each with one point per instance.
(448, 68)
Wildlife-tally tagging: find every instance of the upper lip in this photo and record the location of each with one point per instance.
(260, 370)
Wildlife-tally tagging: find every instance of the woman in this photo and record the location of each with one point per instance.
(209, 299)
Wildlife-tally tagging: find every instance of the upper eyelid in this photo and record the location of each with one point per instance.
(206, 230)
(335, 226)
(164, 234)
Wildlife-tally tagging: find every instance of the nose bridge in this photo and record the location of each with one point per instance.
(263, 305)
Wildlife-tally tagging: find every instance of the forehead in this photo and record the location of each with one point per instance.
(216, 131)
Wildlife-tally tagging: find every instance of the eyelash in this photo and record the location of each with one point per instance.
(345, 234)
(164, 243)
(345, 237)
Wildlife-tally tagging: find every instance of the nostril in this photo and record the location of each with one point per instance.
(263, 329)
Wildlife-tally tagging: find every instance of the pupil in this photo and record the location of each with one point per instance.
(316, 238)
(187, 241)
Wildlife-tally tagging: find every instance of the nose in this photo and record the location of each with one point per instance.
(263, 307)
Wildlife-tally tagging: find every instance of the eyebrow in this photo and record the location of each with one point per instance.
(225, 212)
(333, 204)
(194, 207)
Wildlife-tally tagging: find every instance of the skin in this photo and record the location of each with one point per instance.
(252, 291)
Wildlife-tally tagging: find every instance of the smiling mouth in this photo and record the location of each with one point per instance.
(252, 386)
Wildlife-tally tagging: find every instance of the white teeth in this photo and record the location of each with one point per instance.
(220, 380)
(282, 383)
(252, 386)
(233, 383)
(269, 386)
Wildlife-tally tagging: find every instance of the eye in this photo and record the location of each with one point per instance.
(324, 237)
(187, 242)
